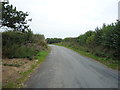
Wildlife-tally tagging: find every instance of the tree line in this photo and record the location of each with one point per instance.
(53, 40)
(104, 41)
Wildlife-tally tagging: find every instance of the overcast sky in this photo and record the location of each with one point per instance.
(67, 18)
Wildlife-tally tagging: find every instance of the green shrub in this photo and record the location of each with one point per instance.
(22, 45)
(103, 42)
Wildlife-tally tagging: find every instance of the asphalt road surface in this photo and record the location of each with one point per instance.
(64, 68)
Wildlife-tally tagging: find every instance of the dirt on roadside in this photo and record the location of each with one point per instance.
(12, 69)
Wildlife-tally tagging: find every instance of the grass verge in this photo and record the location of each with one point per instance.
(25, 75)
(114, 64)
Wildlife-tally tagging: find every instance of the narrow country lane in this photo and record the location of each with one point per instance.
(64, 68)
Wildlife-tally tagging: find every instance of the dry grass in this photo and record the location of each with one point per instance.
(11, 73)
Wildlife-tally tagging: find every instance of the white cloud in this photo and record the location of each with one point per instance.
(61, 18)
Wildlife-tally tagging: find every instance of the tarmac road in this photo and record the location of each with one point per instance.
(64, 68)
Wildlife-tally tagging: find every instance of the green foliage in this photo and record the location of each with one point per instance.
(13, 18)
(103, 42)
(22, 45)
(41, 55)
(21, 42)
(82, 39)
(53, 40)
(15, 37)
(90, 41)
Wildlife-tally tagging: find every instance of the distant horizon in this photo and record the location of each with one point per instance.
(67, 18)
(69, 36)
(79, 34)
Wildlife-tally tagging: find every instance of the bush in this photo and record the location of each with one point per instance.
(103, 42)
(53, 40)
(22, 45)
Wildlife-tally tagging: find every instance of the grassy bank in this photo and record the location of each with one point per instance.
(114, 64)
(18, 83)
